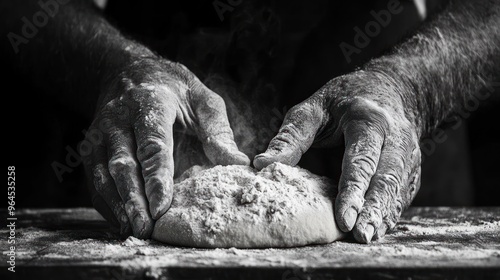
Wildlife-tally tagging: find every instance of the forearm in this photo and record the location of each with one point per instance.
(452, 59)
(73, 54)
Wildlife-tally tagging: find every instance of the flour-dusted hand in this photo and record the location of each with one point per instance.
(384, 109)
(132, 167)
(381, 165)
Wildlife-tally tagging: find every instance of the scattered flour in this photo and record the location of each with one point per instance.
(132, 242)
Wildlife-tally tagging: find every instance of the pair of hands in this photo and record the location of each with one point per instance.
(132, 165)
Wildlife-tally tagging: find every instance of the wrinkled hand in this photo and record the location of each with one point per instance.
(381, 165)
(131, 165)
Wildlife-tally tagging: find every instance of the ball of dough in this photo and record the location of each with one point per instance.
(238, 206)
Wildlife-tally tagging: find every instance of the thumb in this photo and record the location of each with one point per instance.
(213, 127)
(296, 135)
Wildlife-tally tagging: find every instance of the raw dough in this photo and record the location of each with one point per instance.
(238, 206)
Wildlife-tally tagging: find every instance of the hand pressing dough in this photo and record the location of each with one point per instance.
(238, 206)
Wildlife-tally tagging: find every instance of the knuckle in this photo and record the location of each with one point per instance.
(183, 73)
(388, 181)
(131, 207)
(215, 98)
(105, 123)
(399, 207)
(406, 142)
(415, 184)
(305, 112)
(150, 148)
(205, 101)
(353, 187)
(372, 214)
(377, 204)
(363, 166)
(373, 205)
(368, 111)
(351, 195)
(416, 156)
(301, 110)
(179, 66)
(121, 165)
(210, 102)
(135, 96)
(284, 139)
(100, 180)
(289, 131)
(133, 201)
(411, 191)
(288, 140)
(145, 96)
(391, 221)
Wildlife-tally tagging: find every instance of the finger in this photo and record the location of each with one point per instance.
(363, 147)
(414, 178)
(408, 193)
(213, 128)
(384, 192)
(105, 197)
(105, 188)
(153, 134)
(381, 231)
(295, 136)
(125, 171)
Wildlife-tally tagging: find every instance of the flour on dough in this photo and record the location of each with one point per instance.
(238, 206)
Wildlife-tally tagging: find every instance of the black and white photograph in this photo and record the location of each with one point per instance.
(251, 139)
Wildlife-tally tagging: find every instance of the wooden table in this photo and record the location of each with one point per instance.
(429, 243)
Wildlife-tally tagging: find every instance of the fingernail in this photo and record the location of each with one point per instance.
(260, 161)
(142, 227)
(350, 216)
(241, 159)
(138, 227)
(380, 232)
(156, 208)
(367, 234)
(159, 206)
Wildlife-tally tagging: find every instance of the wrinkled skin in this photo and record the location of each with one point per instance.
(381, 164)
(132, 166)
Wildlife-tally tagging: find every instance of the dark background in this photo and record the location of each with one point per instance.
(279, 52)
